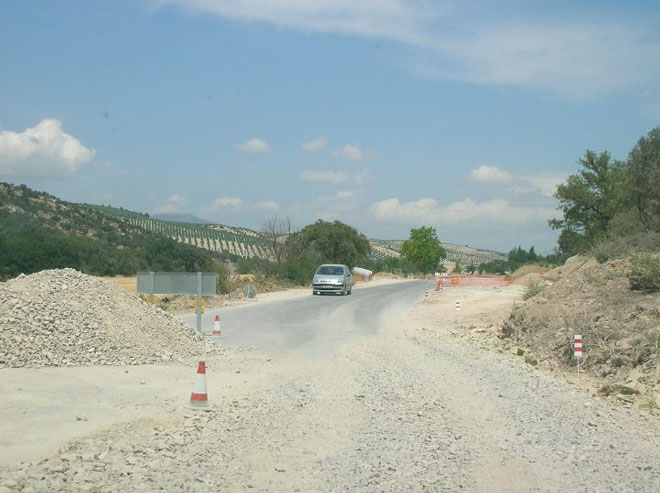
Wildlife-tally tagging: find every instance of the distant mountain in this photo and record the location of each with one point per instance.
(180, 218)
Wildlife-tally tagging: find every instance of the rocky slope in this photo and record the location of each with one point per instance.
(620, 328)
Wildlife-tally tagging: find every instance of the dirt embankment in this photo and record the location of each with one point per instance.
(620, 328)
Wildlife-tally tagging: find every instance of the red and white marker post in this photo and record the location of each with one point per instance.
(577, 352)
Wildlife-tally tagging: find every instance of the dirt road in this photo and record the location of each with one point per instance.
(415, 407)
(313, 326)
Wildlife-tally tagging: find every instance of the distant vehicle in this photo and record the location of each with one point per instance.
(333, 278)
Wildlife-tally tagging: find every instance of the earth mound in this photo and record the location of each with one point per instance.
(620, 328)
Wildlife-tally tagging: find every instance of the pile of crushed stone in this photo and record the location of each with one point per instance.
(65, 318)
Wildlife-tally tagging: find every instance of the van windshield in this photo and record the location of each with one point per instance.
(330, 270)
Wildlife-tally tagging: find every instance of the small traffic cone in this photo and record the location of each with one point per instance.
(199, 399)
(216, 326)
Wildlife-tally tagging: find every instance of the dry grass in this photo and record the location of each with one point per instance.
(129, 283)
(529, 269)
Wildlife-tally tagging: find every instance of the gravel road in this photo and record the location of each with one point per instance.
(411, 408)
(313, 325)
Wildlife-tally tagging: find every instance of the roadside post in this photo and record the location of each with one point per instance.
(577, 352)
(199, 301)
(152, 276)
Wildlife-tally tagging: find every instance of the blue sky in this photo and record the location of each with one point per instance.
(383, 114)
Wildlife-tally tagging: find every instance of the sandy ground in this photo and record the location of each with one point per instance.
(43, 408)
(419, 406)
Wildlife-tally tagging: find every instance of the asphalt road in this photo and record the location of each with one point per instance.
(313, 325)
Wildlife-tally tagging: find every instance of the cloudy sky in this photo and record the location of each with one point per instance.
(384, 114)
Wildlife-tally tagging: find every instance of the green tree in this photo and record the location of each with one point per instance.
(589, 200)
(423, 250)
(644, 179)
(329, 242)
(532, 256)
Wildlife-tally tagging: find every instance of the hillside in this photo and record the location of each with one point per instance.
(39, 231)
(620, 328)
(50, 212)
(241, 242)
(122, 235)
(461, 253)
(180, 218)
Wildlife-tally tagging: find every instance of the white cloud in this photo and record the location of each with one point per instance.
(268, 206)
(351, 152)
(394, 19)
(465, 213)
(231, 203)
(42, 151)
(362, 178)
(254, 145)
(174, 203)
(344, 194)
(587, 56)
(539, 184)
(323, 176)
(547, 183)
(314, 145)
(490, 174)
(578, 59)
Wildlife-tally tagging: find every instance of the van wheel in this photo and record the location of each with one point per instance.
(350, 291)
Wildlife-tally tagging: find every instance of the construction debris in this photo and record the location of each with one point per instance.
(65, 318)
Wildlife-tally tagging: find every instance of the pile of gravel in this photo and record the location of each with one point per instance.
(65, 318)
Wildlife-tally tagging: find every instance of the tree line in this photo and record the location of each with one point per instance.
(610, 205)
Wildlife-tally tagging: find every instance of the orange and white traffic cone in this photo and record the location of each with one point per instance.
(199, 399)
(216, 326)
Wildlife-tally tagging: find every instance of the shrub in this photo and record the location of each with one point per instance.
(533, 288)
(645, 273)
(607, 249)
(614, 247)
(223, 279)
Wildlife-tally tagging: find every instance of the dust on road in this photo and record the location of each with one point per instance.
(417, 406)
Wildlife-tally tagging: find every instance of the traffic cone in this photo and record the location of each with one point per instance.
(216, 326)
(199, 399)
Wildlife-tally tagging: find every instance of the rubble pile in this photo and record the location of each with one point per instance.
(65, 318)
